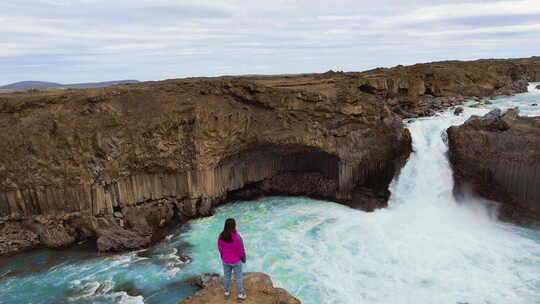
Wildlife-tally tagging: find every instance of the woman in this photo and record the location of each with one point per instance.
(231, 249)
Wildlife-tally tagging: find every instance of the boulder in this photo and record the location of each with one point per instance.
(16, 237)
(538, 87)
(259, 289)
(206, 280)
(491, 121)
(117, 239)
(510, 115)
(55, 236)
(458, 111)
(520, 86)
(493, 114)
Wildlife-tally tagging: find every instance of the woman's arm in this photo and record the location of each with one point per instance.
(220, 248)
(241, 250)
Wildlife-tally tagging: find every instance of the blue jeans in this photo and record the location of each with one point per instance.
(237, 268)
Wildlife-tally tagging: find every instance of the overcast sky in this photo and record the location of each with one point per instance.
(95, 40)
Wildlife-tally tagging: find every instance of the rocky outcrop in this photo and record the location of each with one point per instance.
(105, 162)
(116, 164)
(498, 156)
(259, 289)
(205, 280)
(15, 237)
(422, 89)
(120, 239)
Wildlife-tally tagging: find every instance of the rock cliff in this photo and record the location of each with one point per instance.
(258, 286)
(498, 156)
(117, 163)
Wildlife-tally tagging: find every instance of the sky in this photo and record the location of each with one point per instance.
(71, 41)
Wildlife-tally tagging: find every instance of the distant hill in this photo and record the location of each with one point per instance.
(30, 85)
(25, 85)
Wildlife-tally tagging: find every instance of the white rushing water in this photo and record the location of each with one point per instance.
(424, 248)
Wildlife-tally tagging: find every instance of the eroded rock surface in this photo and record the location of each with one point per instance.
(206, 280)
(14, 236)
(75, 164)
(120, 239)
(259, 289)
(498, 156)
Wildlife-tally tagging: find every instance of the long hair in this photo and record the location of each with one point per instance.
(228, 229)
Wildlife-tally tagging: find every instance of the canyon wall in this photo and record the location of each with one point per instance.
(116, 163)
(498, 157)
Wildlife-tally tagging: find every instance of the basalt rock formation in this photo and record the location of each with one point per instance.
(498, 156)
(119, 163)
(258, 286)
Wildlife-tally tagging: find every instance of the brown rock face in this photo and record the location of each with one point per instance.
(136, 158)
(119, 239)
(14, 237)
(76, 163)
(258, 286)
(499, 156)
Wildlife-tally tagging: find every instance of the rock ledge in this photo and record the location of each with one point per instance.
(259, 288)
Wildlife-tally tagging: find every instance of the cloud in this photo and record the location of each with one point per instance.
(461, 10)
(86, 40)
(12, 49)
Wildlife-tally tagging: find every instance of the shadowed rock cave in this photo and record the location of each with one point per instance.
(297, 170)
(367, 89)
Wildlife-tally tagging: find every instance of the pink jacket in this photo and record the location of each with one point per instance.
(231, 253)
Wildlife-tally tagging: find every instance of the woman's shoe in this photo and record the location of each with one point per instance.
(227, 294)
(242, 296)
